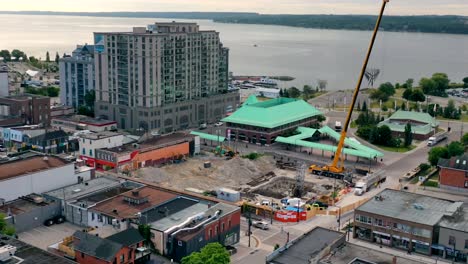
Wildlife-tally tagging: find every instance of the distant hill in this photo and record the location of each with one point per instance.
(426, 24)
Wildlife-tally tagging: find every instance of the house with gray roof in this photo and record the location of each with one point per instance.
(423, 125)
(124, 247)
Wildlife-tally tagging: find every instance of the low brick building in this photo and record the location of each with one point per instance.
(423, 125)
(122, 248)
(403, 220)
(453, 173)
(151, 152)
(261, 122)
(25, 109)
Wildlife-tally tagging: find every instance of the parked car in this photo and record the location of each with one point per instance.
(261, 224)
(319, 204)
(59, 219)
(203, 126)
(49, 222)
(218, 124)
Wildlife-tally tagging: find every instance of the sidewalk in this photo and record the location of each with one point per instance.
(397, 252)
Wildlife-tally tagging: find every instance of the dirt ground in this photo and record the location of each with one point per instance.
(232, 174)
(237, 174)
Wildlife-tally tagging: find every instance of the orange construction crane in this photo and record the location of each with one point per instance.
(336, 169)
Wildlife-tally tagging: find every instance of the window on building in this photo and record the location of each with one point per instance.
(130, 255)
(452, 240)
(84, 151)
(82, 255)
(92, 216)
(90, 152)
(466, 184)
(229, 223)
(222, 227)
(466, 243)
(179, 243)
(210, 233)
(99, 217)
(122, 258)
(216, 230)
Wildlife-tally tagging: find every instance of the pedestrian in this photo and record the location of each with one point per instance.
(282, 230)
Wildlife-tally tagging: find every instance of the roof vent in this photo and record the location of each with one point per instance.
(418, 206)
(76, 190)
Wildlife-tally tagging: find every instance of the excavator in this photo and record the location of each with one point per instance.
(336, 169)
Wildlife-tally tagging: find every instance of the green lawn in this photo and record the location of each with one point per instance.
(463, 118)
(395, 149)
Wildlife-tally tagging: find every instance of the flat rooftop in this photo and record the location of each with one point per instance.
(86, 120)
(179, 217)
(354, 254)
(306, 247)
(29, 165)
(226, 209)
(411, 207)
(86, 188)
(119, 207)
(155, 142)
(24, 205)
(456, 223)
(100, 135)
(31, 254)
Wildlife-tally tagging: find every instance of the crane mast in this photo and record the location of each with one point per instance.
(335, 167)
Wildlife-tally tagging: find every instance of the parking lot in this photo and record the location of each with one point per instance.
(44, 236)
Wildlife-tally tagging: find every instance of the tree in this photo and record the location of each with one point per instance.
(322, 84)
(5, 228)
(286, 93)
(307, 91)
(428, 86)
(281, 92)
(407, 93)
(403, 106)
(18, 54)
(450, 111)
(417, 96)
(47, 57)
(455, 148)
(442, 82)
(364, 107)
(379, 95)
(436, 153)
(359, 106)
(409, 83)
(213, 253)
(465, 82)
(385, 135)
(57, 58)
(293, 92)
(408, 135)
(387, 88)
(464, 139)
(5, 54)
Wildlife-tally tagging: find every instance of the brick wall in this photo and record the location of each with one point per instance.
(454, 178)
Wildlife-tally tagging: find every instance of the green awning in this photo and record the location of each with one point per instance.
(356, 149)
(208, 136)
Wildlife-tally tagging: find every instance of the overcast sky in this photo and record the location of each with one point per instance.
(396, 7)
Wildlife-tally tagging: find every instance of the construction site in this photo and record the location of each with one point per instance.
(258, 180)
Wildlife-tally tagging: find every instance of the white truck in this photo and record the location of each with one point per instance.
(338, 126)
(366, 182)
(436, 138)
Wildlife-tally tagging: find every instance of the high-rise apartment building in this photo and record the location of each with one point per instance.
(165, 77)
(77, 75)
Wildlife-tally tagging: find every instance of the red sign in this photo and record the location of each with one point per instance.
(290, 216)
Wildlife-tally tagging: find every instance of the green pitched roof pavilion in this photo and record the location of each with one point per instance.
(272, 113)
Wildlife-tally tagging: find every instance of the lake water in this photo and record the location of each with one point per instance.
(306, 54)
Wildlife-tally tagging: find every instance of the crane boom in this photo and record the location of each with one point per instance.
(335, 167)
